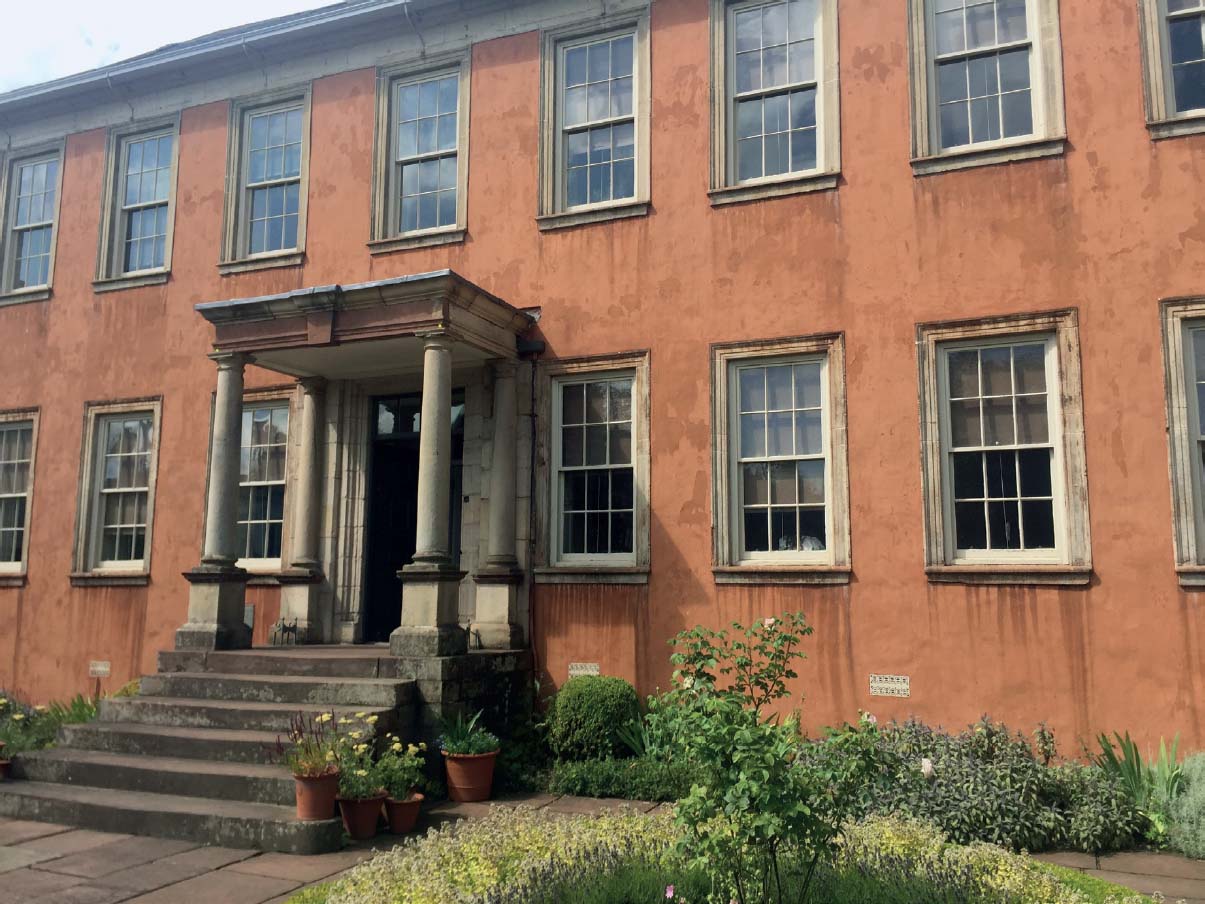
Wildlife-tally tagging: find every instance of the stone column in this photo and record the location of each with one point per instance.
(217, 594)
(498, 582)
(301, 580)
(431, 585)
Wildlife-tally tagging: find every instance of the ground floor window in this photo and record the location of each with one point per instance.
(16, 464)
(262, 462)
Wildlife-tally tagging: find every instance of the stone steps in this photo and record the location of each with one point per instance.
(220, 744)
(235, 824)
(250, 782)
(280, 689)
(328, 662)
(186, 712)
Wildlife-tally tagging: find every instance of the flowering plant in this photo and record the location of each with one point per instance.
(401, 767)
(359, 774)
(310, 751)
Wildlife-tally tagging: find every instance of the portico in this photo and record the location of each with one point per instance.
(435, 336)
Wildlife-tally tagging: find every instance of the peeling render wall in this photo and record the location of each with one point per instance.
(1111, 227)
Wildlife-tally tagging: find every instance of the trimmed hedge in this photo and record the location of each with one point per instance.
(633, 779)
(1187, 812)
(586, 716)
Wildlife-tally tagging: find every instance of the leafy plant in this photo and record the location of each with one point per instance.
(360, 777)
(1152, 785)
(310, 748)
(467, 737)
(640, 778)
(523, 762)
(24, 728)
(587, 716)
(400, 767)
(1187, 812)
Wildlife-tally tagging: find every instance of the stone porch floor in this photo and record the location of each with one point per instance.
(44, 863)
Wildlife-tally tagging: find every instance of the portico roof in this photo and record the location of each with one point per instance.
(367, 329)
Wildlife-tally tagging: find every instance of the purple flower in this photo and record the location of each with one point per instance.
(669, 892)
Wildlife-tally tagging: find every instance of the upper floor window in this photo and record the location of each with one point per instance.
(780, 477)
(30, 217)
(1005, 479)
(422, 135)
(594, 155)
(269, 155)
(136, 236)
(262, 461)
(16, 484)
(1174, 50)
(992, 78)
(776, 78)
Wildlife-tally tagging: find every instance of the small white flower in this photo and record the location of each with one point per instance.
(926, 769)
(770, 622)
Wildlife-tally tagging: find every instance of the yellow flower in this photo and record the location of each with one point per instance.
(355, 735)
(423, 746)
(361, 772)
(323, 719)
(361, 715)
(330, 756)
(397, 746)
(371, 720)
(360, 748)
(3, 701)
(412, 749)
(344, 722)
(17, 717)
(40, 709)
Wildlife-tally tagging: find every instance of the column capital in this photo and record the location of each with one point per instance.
(312, 385)
(230, 360)
(504, 367)
(439, 341)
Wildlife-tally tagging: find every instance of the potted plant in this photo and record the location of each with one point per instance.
(312, 758)
(401, 768)
(360, 789)
(470, 752)
(4, 764)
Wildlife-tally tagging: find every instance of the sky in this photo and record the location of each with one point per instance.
(62, 37)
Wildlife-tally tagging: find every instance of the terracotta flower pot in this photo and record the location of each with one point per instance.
(4, 767)
(403, 814)
(316, 796)
(470, 775)
(360, 817)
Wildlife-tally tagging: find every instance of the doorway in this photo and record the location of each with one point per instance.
(393, 504)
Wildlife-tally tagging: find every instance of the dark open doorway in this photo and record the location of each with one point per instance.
(393, 504)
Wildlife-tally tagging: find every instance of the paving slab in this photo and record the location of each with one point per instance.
(1172, 888)
(71, 842)
(595, 806)
(446, 810)
(534, 801)
(15, 858)
(1069, 859)
(118, 855)
(14, 831)
(85, 894)
(147, 877)
(303, 869)
(31, 886)
(221, 887)
(1149, 863)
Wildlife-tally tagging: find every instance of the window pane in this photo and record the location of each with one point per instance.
(968, 475)
(1034, 465)
(757, 530)
(1004, 527)
(964, 423)
(970, 525)
(1001, 474)
(756, 484)
(1038, 522)
(813, 532)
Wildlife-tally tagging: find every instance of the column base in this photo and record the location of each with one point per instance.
(496, 626)
(299, 596)
(423, 641)
(217, 597)
(430, 613)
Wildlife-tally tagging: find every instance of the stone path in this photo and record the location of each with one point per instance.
(45, 863)
(1176, 878)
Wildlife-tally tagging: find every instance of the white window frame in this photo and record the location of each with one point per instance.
(1182, 317)
(1054, 421)
(110, 274)
(288, 401)
(1049, 136)
(1071, 561)
(732, 565)
(613, 568)
(89, 567)
(1162, 117)
(554, 213)
(236, 254)
(386, 234)
(8, 199)
(725, 187)
(13, 573)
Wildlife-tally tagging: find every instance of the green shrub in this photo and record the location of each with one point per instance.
(315, 895)
(24, 728)
(1150, 784)
(1187, 812)
(633, 779)
(988, 785)
(586, 717)
(630, 883)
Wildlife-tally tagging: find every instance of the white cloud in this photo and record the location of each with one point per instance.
(52, 38)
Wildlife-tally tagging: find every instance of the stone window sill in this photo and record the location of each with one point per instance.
(110, 578)
(966, 158)
(600, 214)
(783, 574)
(12, 580)
(1011, 575)
(776, 188)
(116, 283)
(25, 296)
(635, 575)
(1192, 577)
(429, 239)
(1178, 126)
(267, 262)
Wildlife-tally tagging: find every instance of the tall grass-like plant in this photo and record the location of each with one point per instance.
(1151, 784)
